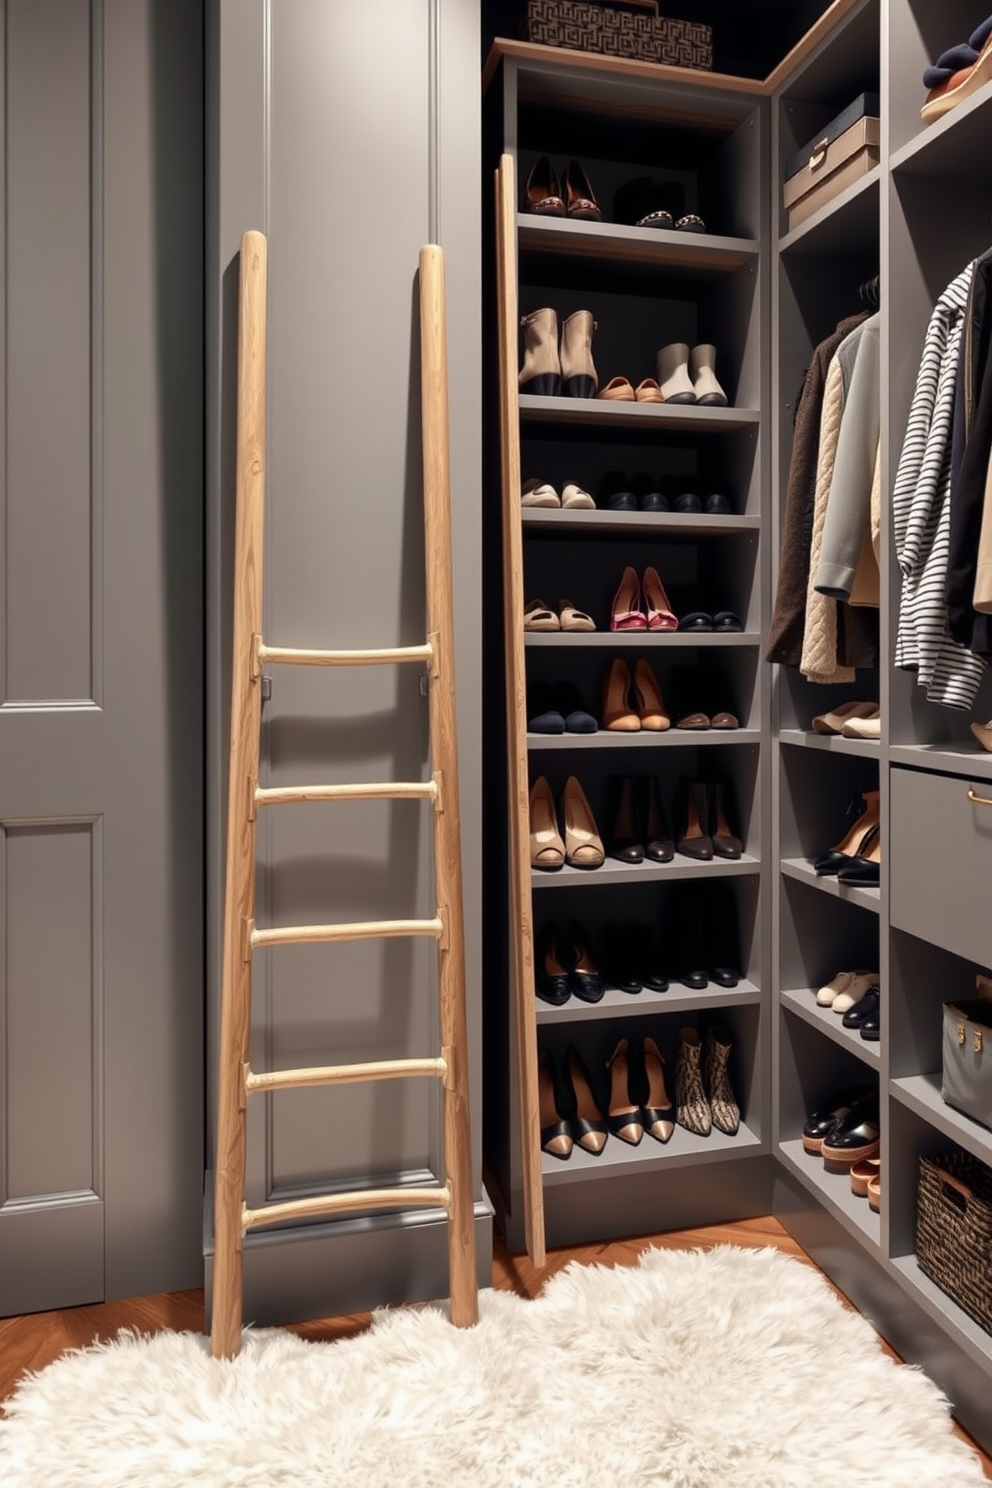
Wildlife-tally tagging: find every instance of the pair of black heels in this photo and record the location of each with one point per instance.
(566, 966)
(569, 1114)
(856, 858)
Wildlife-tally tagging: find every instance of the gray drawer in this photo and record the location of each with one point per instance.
(940, 877)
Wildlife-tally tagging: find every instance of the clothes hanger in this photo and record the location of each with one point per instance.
(869, 293)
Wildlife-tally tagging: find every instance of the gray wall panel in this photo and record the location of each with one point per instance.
(48, 1079)
(47, 565)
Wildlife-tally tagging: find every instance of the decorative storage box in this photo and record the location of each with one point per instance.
(954, 1230)
(841, 154)
(631, 29)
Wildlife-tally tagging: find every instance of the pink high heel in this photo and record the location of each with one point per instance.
(659, 611)
(626, 612)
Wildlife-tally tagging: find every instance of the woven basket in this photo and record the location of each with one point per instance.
(954, 1230)
(637, 31)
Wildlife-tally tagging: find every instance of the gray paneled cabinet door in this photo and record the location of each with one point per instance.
(100, 662)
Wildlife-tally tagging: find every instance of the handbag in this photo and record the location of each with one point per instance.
(966, 1079)
(620, 28)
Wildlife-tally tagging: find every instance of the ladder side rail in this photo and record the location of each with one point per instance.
(239, 890)
(463, 1278)
(518, 788)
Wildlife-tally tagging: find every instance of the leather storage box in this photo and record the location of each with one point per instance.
(966, 1064)
(631, 28)
(846, 150)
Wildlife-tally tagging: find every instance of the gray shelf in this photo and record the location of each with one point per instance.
(802, 870)
(835, 743)
(614, 872)
(954, 148)
(629, 639)
(677, 999)
(699, 254)
(804, 1005)
(684, 1149)
(966, 1333)
(968, 759)
(846, 227)
(833, 1190)
(682, 416)
(668, 524)
(921, 1093)
(673, 738)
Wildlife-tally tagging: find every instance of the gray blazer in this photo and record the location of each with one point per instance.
(849, 502)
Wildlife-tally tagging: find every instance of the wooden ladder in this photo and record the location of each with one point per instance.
(237, 1081)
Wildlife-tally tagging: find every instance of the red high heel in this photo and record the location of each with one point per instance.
(626, 612)
(659, 611)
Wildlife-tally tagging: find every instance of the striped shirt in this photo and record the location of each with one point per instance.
(921, 512)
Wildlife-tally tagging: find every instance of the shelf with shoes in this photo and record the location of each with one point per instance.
(656, 317)
(951, 145)
(801, 1003)
(828, 964)
(833, 1191)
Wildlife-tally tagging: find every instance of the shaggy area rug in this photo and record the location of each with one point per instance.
(729, 1368)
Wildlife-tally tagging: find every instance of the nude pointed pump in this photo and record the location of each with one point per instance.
(651, 711)
(583, 844)
(617, 712)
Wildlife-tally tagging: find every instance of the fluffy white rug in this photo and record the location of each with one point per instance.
(723, 1369)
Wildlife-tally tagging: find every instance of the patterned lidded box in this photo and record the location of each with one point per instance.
(647, 37)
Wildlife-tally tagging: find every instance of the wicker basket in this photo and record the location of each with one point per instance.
(954, 1230)
(634, 31)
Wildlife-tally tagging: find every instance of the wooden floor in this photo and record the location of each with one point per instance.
(31, 1342)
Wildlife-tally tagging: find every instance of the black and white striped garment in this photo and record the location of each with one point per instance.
(921, 512)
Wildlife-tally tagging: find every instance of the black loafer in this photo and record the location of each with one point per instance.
(687, 501)
(615, 492)
(648, 493)
(543, 714)
(575, 715)
(716, 505)
(855, 1137)
(696, 620)
(822, 1121)
(727, 620)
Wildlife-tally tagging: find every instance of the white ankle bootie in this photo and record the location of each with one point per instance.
(673, 374)
(702, 364)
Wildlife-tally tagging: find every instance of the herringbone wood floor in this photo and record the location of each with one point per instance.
(31, 1342)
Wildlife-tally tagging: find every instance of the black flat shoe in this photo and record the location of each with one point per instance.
(727, 622)
(615, 492)
(570, 704)
(690, 938)
(822, 1121)
(697, 621)
(688, 503)
(648, 493)
(551, 969)
(722, 933)
(619, 963)
(864, 1010)
(543, 714)
(716, 505)
(584, 978)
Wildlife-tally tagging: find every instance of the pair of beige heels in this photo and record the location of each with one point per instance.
(581, 845)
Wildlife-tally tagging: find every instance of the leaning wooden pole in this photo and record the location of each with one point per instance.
(239, 890)
(444, 747)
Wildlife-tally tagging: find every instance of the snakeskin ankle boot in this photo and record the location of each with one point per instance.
(692, 1109)
(716, 1056)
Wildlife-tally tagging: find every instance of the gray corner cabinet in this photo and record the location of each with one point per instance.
(349, 135)
(766, 296)
(101, 660)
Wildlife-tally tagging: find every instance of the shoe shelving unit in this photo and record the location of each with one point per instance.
(917, 219)
(646, 288)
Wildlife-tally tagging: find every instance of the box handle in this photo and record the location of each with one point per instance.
(954, 1191)
(818, 156)
(977, 799)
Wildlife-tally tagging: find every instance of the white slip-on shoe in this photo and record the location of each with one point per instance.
(538, 493)
(858, 986)
(838, 984)
(834, 721)
(867, 727)
(573, 496)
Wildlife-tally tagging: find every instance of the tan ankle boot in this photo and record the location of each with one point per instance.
(541, 371)
(673, 374)
(709, 393)
(578, 374)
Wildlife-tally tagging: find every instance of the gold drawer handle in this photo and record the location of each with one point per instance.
(979, 800)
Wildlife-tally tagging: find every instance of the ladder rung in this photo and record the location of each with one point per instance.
(372, 1198)
(398, 790)
(343, 1074)
(367, 930)
(290, 656)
